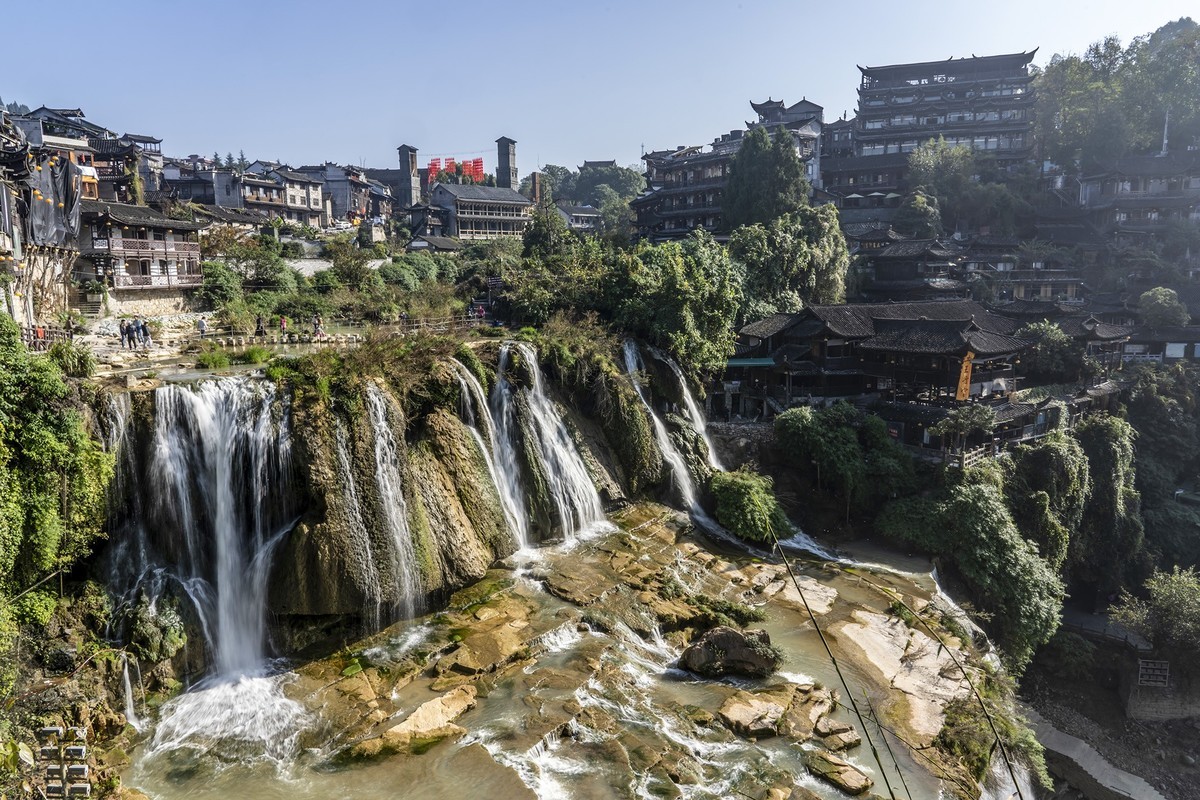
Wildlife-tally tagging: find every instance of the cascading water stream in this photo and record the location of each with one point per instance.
(131, 715)
(576, 501)
(674, 459)
(693, 410)
(359, 537)
(406, 570)
(475, 411)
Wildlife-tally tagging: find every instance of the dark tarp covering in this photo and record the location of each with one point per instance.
(53, 202)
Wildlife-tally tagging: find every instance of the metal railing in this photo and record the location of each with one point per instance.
(125, 281)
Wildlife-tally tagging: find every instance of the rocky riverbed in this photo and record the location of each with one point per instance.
(557, 675)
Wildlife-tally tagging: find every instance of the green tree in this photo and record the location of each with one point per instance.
(222, 286)
(230, 161)
(797, 259)
(965, 420)
(697, 303)
(1169, 614)
(349, 262)
(627, 182)
(943, 170)
(548, 235)
(766, 180)
(1055, 357)
(1161, 308)
(918, 216)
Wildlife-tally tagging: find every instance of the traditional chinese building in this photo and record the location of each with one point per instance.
(480, 212)
(139, 254)
(686, 184)
(984, 103)
(909, 351)
(583, 219)
(1136, 197)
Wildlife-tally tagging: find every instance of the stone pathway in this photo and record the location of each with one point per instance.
(1085, 768)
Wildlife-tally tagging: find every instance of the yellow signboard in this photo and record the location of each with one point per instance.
(964, 377)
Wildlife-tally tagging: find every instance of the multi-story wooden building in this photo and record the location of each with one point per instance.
(480, 212)
(686, 184)
(134, 248)
(1137, 197)
(985, 103)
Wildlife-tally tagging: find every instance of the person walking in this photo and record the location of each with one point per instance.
(260, 329)
(282, 325)
(202, 326)
(123, 329)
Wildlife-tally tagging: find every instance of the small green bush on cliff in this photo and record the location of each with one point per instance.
(746, 505)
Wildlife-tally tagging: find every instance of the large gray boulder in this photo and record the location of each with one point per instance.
(726, 651)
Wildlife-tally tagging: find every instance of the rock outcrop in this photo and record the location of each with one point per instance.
(837, 771)
(726, 651)
(430, 723)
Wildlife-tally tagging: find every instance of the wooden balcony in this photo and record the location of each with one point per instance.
(146, 247)
(124, 281)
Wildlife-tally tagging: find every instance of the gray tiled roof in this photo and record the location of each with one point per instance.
(493, 193)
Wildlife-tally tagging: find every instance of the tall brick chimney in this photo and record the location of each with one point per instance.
(506, 163)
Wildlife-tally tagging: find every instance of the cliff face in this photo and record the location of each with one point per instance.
(339, 560)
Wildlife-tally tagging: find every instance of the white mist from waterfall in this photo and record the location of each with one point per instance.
(506, 476)
(359, 537)
(219, 477)
(576, 501)
(406, 570)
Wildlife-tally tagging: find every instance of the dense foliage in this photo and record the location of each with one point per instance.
(1115, 99)
(682, 296)
(795, 260)
(1161, 308)
(53, 476)
(1169, 614)
(746, 505)
(766, 181)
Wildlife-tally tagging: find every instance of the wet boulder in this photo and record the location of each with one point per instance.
(726, 651)
(837, 771)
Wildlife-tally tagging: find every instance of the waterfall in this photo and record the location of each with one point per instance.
(204, 507)
(693, 410)
(670, 453)
(131, 715)
(501, 459)
(576, 501)
(406, 570)
(359, 537)
(209, 508)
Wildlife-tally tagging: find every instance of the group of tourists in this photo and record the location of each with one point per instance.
(134, 334)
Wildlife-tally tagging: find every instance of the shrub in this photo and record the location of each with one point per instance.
(212, 359)
(255, 354)
(746, 505)
(76, 360)
(35, 608)
(221, 286)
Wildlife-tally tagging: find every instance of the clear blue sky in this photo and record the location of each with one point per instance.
(306, 82)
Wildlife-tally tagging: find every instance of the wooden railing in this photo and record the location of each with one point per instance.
(148, 246)
(40, 337)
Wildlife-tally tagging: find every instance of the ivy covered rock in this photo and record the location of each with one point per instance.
(725, 651)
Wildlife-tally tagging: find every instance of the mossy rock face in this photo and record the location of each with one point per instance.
(156, 633)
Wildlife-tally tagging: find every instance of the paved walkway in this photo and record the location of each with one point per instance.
(1086, 769)
(1100, 626)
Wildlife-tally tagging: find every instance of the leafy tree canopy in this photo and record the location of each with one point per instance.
(1161, 308)
(799, 258)
(1169, 614)
(766, 180)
